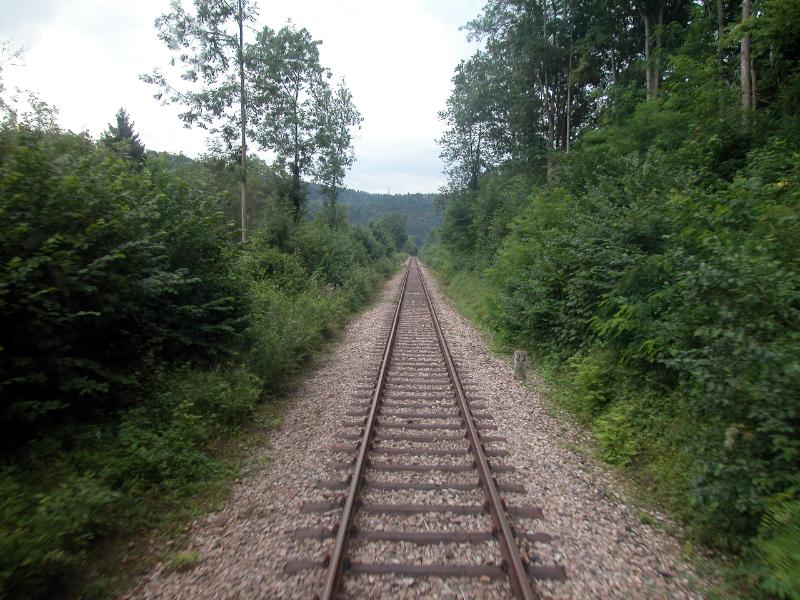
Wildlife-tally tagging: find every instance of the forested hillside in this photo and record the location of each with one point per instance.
(624, 201)
(152, 305)
(364, 207)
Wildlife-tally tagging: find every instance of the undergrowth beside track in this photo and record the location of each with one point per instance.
(142, 347)
(653, 483)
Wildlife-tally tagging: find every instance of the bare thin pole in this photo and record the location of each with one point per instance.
(242, 104)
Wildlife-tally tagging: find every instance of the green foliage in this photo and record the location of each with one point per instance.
(46, 535)
(655, 270)
(284, 329)
(475, 297)
(121, 138)
(693, 291)
(778, 543)
(619, 444)
(298, 298)
(104, 270)
(476, 139)
(138, 340)
(392, 228)
(593, 376)
(215, 178)
(649, 288)
(336, 156)
(160, 446)
(210, 51)
(327, 254)
(78, 486)
(273, 91)
(289, 84)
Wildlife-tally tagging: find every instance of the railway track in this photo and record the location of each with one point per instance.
(420, 464)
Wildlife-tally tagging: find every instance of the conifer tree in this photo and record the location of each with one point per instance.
(123, 139)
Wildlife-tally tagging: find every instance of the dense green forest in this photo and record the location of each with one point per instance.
(364, 207)
(141, 335)
(624, 202)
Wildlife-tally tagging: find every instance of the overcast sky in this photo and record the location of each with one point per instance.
(85, 57)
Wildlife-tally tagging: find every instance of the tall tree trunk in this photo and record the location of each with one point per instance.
(546, 98)
(242, 105)
(334, 197)
(297, 199)
(551, 131)
(569, 99)
(296, 192)
(612, 49)
(648, 59)
(614, 68)
(330, 202)
(476, 168)
(747, 98)
(720, 55)
(657, 57)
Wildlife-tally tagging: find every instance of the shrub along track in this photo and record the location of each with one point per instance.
(417, 423)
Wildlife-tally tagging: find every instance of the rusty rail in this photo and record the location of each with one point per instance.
(336, 559)
(513, 562)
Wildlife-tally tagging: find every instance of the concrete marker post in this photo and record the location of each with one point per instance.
(520, 364)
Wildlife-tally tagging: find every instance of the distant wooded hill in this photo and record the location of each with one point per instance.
(363, 207)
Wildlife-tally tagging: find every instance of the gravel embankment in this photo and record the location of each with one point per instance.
(607, 552)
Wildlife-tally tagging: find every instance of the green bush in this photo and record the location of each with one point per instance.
(46, 535)
(226, 398)
(653, 264)
(593, 377)
(106, 269)
(690, 292)
(137, 338)
(778, 545)
(328, 253)
(163, 445)
(668, 300)
(98, 481)
(616, 432)
(283, 330)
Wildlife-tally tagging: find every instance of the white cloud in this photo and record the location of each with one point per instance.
(85, 57)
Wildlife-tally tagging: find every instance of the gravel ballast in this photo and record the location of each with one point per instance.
(606, 550)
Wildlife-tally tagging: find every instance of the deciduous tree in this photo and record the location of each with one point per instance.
(478, 135)
(288, 85)
(210, 47)
(337, 115)
(9, 54)
(747, 91)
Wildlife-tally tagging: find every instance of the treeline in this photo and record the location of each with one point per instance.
(624, 194)
(139, 336)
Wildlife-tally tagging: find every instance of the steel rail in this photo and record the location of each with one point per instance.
(336, 558)
(518, 576)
